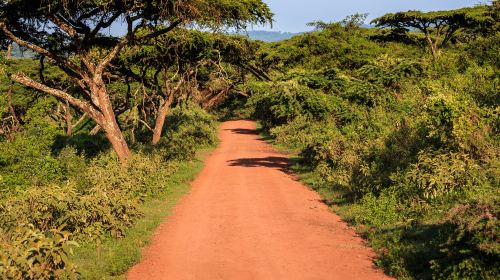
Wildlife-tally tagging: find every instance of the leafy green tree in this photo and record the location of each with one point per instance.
(438, 28)
(184, 63)
(70, 33)
(354, 21)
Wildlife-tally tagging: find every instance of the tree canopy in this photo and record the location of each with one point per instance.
(71, 34)
(438, 27)
(195, 62)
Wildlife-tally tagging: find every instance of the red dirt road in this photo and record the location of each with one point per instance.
(247, 218)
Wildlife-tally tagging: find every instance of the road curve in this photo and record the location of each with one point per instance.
(246, 217)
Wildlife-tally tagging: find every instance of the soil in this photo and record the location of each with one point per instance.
(247, 217)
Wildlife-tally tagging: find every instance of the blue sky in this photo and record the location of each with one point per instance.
(292, 15)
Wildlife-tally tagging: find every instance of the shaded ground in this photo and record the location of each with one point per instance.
(247, 218)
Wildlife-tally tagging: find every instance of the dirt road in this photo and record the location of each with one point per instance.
(247, 218)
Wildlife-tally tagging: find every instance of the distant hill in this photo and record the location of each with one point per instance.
(275, 36)
(268, 36)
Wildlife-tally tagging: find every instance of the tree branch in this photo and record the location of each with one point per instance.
(80, 120)
(65, 65)
(146, 125)
(80, 104)
(111, 55)
(89, 14)
(449, 34)
(63, 25)
(160, 32)
(103, 24)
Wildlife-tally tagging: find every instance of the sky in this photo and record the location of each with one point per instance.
(292, 15)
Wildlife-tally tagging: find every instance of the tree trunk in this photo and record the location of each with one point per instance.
(15, 120)
(69, 119)
(132, 135)
(115, 137)
(9, 54)
(432, 45)
(11, 108)
(435, 50)
(160, 119)
(108, 122)
(164, 106)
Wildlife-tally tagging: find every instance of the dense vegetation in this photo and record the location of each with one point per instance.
(58, 190)
(397, 127)
(399, 133)
(93, 127)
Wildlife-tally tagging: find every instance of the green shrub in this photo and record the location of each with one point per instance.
(380, 212)
(301, 132)
(28, 160)
(472, 250)
(28, 253)
(188, 128)
(485, 50)
(283, 102)
(389, 71)
(141, 177)
(74, 167)
(436, 175)
(96, 214)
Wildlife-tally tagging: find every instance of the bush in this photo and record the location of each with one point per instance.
(28, 253)
(189, 128)
(436, 175)
(382, 211)
(141, 177)
(283, 102)
(92, 199)
(28, 160)
(96, 214)
(301, 132)
(472, 250)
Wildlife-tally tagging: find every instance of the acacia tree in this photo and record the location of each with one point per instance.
(70, 34)
(438, 27)
(186, 61)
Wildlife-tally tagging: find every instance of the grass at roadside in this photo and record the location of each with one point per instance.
(335, 199)
(112, 258)
(429, 246)
(293, 154)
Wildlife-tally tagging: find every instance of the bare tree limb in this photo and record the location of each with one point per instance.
(103, 24)
(160, 31)
(80, 104)
(146, 125)
(111, 55)
(65, 64)
(63, 25)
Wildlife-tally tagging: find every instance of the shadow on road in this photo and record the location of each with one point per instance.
(243, 131)
(280, 163)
